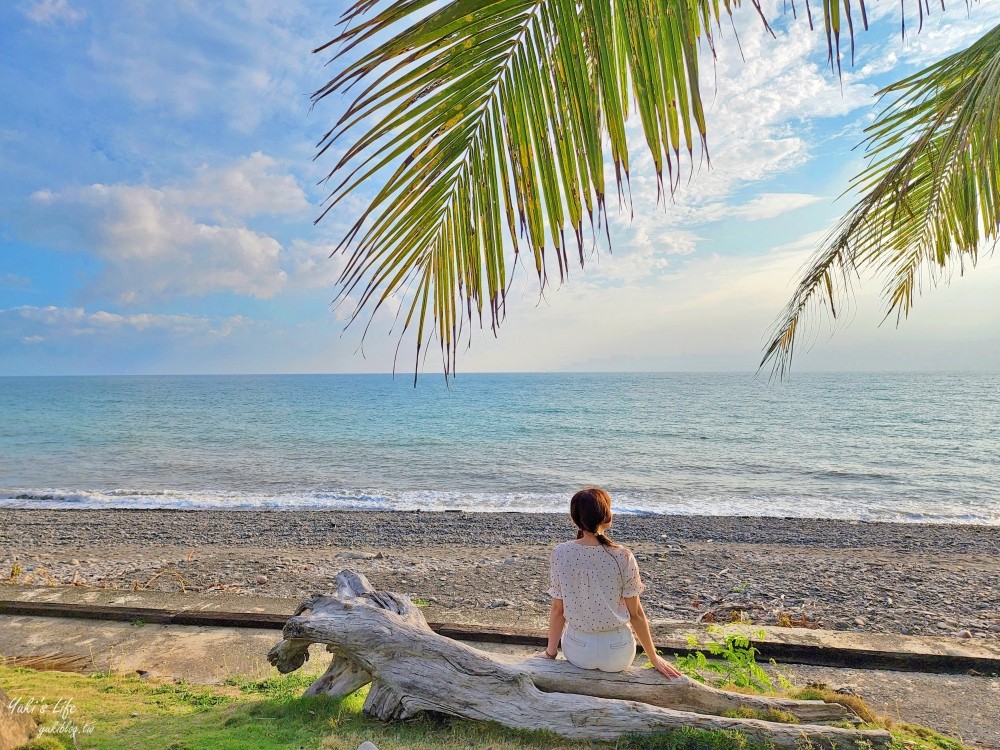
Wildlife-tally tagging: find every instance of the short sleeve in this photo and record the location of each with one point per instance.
(633, 583)
(555, 590)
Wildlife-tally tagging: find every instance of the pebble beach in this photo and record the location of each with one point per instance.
(916, 579)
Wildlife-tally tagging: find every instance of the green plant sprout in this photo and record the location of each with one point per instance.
(733, 659)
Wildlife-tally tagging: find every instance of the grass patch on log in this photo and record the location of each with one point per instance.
(770, 714)
(851, 701)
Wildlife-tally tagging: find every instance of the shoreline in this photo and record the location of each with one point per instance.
(50, 501)
(73, 507)
(874, 576)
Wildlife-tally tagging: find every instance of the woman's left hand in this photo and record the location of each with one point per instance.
(664, 667)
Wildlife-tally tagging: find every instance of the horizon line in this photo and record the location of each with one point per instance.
(454, 375)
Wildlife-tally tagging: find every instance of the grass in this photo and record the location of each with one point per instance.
(693, 739)
(851, 701)
(770, 714)
(121, 712)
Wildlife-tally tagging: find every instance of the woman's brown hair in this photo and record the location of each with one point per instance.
(590, 509)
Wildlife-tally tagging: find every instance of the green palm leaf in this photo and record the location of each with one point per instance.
(491, 118)
(930, 195)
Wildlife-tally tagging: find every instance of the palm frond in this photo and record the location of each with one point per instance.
(490, 123)
(930, 194)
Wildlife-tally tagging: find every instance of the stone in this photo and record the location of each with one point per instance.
(860, 622)
(358, 555)
(367, 746)
(964, 634)
(16, 726)
(846, 689)
(261, 580)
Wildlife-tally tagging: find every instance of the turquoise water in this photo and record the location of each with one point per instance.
(917, 447)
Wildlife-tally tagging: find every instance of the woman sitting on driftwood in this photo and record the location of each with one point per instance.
(382, 638)
(595, 588)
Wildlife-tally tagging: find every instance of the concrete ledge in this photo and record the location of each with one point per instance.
(266, 614)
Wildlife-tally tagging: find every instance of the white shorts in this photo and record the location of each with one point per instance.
(610, 651)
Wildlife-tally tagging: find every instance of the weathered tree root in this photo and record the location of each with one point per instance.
(382, 638)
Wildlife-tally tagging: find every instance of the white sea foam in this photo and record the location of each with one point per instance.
(787, 506)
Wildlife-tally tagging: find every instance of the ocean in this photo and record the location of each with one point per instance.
(914, 447)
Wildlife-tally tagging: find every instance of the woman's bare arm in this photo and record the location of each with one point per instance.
(557, 620)
(637, 616)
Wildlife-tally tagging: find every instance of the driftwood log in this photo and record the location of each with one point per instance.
(382, 638)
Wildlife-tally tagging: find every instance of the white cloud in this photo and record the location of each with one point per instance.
(947, 32)
(34, 325)
(769, 205)
(53, 11)
(238, 64)
(50, 340)
(314, 265)
(759, 113)
(944, 32)
(248, 187)
(645, 255)
(185, 239)
(764, 206)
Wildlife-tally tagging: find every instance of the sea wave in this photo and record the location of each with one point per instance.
(787, 506)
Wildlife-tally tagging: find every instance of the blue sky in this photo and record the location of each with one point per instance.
(158, 197)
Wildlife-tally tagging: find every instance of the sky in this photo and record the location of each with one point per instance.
(158, 195)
